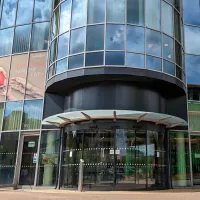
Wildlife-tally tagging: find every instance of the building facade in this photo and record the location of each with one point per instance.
(112, 82)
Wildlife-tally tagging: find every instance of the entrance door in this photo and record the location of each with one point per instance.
(28, 160)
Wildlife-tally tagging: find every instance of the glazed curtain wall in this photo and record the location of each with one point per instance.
(133, 33)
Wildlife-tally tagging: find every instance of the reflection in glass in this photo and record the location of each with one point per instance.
(93, 59)
(21, 39)
(78, 13)
(135, 12)
(32, 114)
(180, 162)
(55, 23)
(192, 46)
(115, 37)
(1, 117)
(153, 42)
(53, 50)
(51, 71)
(177, 26)
(116, 11)
(24, 11)
(63, 44)
(40, 35)
(95, 38)
(6, 41)
(115, 58)
(193, 69)
(167, 18)
(12, 115)
(77, 40)
(178, 54)
(65, 16)
(36, 76)
(42, 10)
(178, 72)
(48, 158)
(135, 60)
(153, 14)
(61, 66)
(8, 155)
(169, 68)
(168, 47)
(154, 63)
(17, 79)
(135, 39)
(96, 11)
(76, 61)
(8, 13)
(193, 112)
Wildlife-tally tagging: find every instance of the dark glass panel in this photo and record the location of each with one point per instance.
(169, 68)
(12, 115)
(61, 66)
(76, 61)
(135, 39)
(40, 36)
(153, 42)
(77, 40)
(95, 38)
(42, 10)
(51, 71)
(168, 48)
(53, 50)
(55, 23)
(93, 59)
(6, 41)
(178, 54)
(178, 72)
(24, 11)
(115, 58)
(177, 26)
(135, 12)
(63, 44)
(21, 39)
(115, 37)
(135, 60)
(154, 63)
(96, 11)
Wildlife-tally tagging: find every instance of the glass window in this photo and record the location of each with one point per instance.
(116, 11)
(40, 36)
(6, 41)
(63, 44)
(77, 40)
(93, 59)
(135, 39)
(177, 26)
(153, 42)
(1, 118)
(24, 11)
(78, 13)
(135, 12)
(192, 45)
(17, 79)
(178, 72)
(48, 158)
(76, 61)
(96, 11)
(135, 60)
(115, 58)
(115, 37)
(53, 50)
(169, 68)
(65, 16)
(4, 74)
(21, 39)
(95, 38)
(178, 53)
(153, 14)
(55, 25)
(8, 13)
(193, 72)
(36, 76)
(8, 154)
(12, 115)
(32, 114)
(51, 71)
(61, 66)
(167, 18)
(154, 63)
(42, 10)
(168, 48)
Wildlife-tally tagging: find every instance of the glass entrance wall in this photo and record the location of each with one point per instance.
(125, 159)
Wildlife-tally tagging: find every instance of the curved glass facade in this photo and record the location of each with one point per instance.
(141, 34)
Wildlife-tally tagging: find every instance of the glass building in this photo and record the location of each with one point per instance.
(113, 82)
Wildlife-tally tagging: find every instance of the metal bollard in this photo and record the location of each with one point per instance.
(80, 179)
